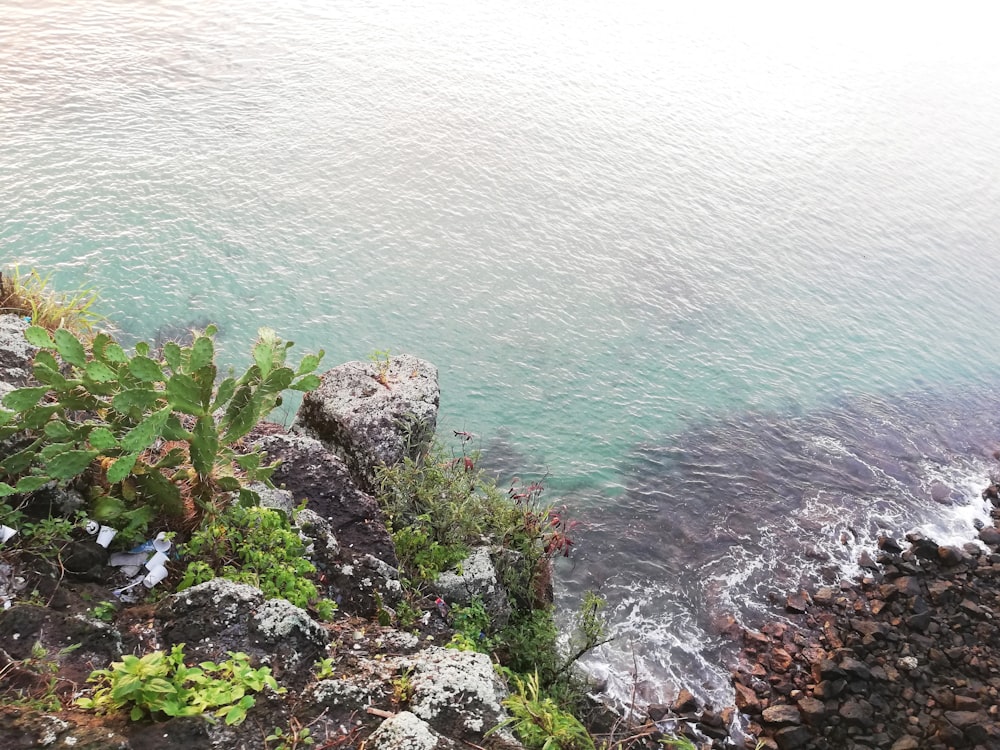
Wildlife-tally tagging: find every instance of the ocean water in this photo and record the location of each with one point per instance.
(727, 281)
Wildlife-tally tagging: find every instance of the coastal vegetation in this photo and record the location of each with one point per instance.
(158, 438)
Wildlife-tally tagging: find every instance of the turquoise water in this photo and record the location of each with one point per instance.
(623, 232)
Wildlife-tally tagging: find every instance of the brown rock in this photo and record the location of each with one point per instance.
(797, 603)
(684, 703)
(781, 660)
(782, 714)
(907, 742)
(813, 711)
(793, 738)
(746, 699)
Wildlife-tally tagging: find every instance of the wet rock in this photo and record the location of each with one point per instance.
(782, 714)
(990, 535)
(685, 702)
(371, 415)
(798, 602)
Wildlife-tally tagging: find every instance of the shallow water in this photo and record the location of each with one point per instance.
(727, 281)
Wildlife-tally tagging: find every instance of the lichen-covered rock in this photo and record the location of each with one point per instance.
(217, 610)
(219, 616)
(292, 639)
(276, 499)
(476, 578)
(372, 414)
(364, 585)
(459, 694)
(405, 731)
(313, 473)
(16, 354)
(317, 534)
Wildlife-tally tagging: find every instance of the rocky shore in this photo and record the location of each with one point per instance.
(905, 658)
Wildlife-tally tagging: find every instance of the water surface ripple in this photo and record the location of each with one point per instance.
(728, 279)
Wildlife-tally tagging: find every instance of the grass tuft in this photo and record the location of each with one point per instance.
(29, 295)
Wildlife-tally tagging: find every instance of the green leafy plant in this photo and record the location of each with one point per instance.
(380, 358)
(680, 743)
(30, 295)
(296, 736)
(323, 669)
(402, 687)
(539, 722)
(32, 682)
(472, 627)
(104, 611)
(139, 430)
(256, 546)
(160, 685)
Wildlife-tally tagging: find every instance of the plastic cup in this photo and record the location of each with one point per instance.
(161, 543)
(105, 535)
(92, 527)
(6, 532)
(154, 577)
(156, 561)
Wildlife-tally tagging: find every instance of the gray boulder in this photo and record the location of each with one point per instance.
(405, 731)
(16, 354)
(372, 416)
(477, 580)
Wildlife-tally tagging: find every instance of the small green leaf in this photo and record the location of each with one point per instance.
(229, 484)
(143, 434)
(122, 467)
(263, 355)
(226, 390)
(145, 369)
(48, 359)
(6, 490)
(100, 372)
(142, 349)
(102, 439)
(70, 348)
(184, 395)
(306, 383)
(310, 362)
(49, 376)
(30, 484)
(69, 464)
(160, 492)
(38, 336)
(23, 399)
(243, 413)
(114, 353)
(204, 445)
(135, 398)
(202, 354)
(174, 457)
(172, 355)
(58, 431)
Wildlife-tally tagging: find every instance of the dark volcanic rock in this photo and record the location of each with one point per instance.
(311, 472)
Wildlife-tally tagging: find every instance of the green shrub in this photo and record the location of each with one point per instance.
(256, 546)
(140, 430)
(160, 684)
(539, 722)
